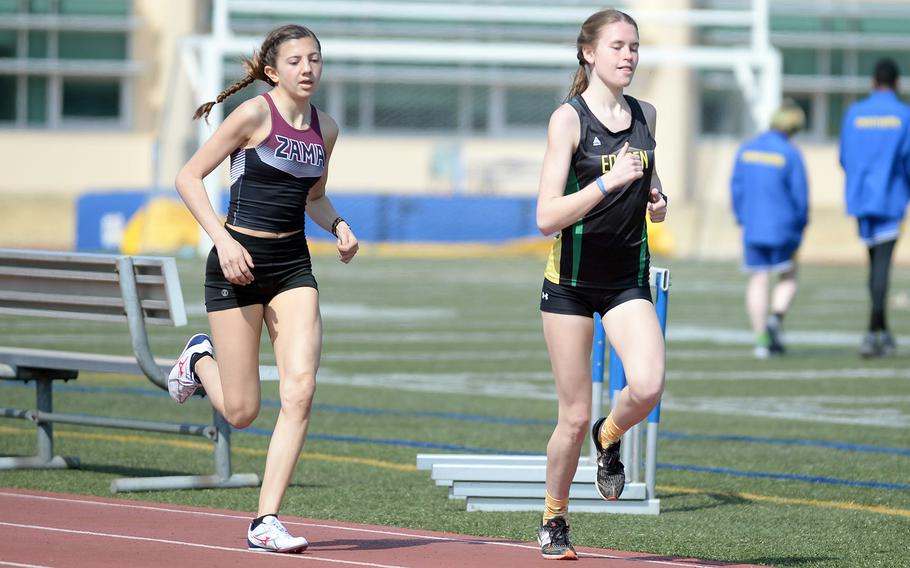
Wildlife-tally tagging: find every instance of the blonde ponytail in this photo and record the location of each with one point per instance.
(579, 83)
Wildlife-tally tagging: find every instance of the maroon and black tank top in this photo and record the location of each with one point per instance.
(270, 183)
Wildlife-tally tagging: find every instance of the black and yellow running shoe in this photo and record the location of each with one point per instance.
(553, 538)
(611, 475)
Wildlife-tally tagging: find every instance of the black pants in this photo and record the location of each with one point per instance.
(879, 275)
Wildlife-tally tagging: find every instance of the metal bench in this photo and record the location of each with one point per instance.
(107, 288)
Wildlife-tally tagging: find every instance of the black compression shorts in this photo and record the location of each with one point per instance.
(279, 264)
(558, 299)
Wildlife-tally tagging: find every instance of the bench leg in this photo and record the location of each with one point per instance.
(44, 393)
(222, 478)
(45, 402)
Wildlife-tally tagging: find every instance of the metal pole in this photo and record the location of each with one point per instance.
(136, 320)
(222, 446)
(597, 376)
(662, 283)
(45, 403)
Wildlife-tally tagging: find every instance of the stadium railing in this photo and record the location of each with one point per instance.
(108, 288)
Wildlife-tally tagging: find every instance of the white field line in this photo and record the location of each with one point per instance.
(362, 311)
(855, 411)
(531, 334)
(516, 355)
(845, 410)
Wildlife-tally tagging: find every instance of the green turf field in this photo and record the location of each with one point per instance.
(428, 352)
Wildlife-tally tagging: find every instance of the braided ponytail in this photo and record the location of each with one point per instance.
(255, 65)
(587, 37)
(204, 109)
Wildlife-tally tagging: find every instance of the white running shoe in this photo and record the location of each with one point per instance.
(182, 381)
(271, 536)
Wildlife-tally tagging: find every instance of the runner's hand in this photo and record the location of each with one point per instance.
(347, 242)
(626, 169)
(657, 206)
(236, 262)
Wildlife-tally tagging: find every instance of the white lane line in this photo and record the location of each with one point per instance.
(789, 375)
(363, 312)
(5, 563)
(741, 336)
(332, 355)
(857, 411)
(196, 545)
(328, 526)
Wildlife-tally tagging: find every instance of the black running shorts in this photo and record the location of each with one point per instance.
(278, 265)
(558, 299)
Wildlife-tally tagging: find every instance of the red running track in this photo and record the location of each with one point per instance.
(55, 530)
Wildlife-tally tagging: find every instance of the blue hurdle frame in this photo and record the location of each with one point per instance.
(632, 450)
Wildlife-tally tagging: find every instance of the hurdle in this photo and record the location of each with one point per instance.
(518, 482)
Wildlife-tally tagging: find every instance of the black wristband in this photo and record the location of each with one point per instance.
(335, 225)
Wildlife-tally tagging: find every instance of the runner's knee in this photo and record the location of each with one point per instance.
(297, 394)
(240, 414)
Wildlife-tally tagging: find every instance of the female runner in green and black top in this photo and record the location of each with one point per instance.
(597, 184)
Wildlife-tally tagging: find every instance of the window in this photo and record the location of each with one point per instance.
(790, 23)
(417, 107)
(799, 62)
(884, 25)
(37, 44)
(530, 107)
(838, 62)
(723, 112)
(8, 43)
(868, 59)
(94, 7)
(92, 45)
(67, 86)
(352, 96)
(837, 106)
(480, 104)
(37, 100)
(7, 98)
(39, 6)
(91, 98)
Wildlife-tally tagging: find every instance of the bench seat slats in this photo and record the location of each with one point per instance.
(55, 300)
(57, 274)
(87, 286)
(159, 319)
(66, 360)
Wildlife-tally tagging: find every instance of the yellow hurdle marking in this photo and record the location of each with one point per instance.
(317, 456)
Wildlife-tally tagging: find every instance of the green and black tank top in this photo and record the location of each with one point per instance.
(608, 247)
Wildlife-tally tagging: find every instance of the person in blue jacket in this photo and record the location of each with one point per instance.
(875, 155)
(770, 200)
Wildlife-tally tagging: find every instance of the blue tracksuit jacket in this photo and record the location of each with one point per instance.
(875, 155)
(770, 194)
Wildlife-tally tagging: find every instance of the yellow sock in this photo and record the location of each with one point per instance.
(610, 432)
(554, 507)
